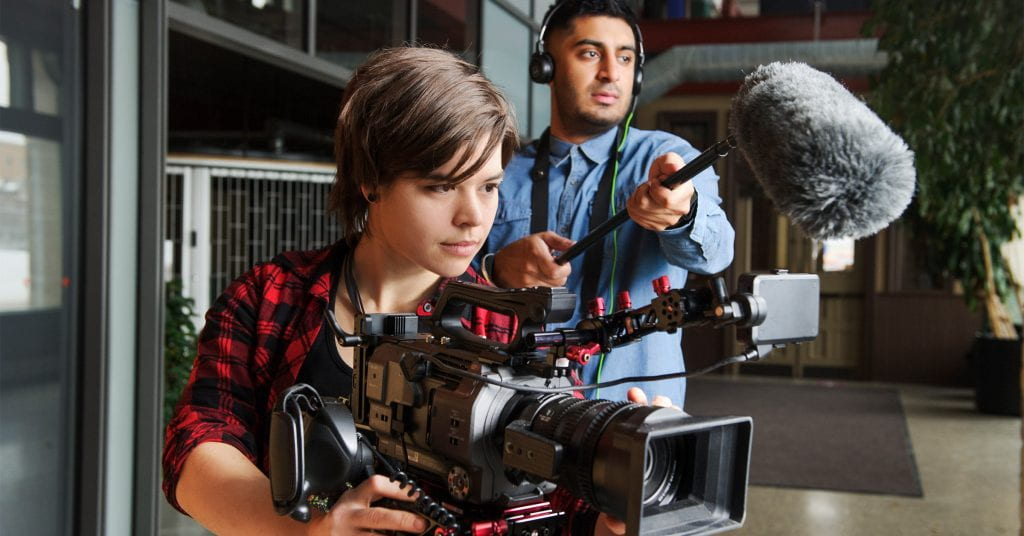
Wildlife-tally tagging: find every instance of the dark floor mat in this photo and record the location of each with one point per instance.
(823, 436)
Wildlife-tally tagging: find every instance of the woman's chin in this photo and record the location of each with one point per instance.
(451, 265)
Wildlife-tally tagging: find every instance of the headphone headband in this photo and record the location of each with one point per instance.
(542, 65)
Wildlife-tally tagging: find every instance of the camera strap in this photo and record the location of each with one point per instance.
(592, 259)
(350, 283)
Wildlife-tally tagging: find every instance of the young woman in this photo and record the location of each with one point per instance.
(421, 142)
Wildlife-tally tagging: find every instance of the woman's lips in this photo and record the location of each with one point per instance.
(461, 249)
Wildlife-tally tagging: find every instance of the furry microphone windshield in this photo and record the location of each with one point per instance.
(823, 157)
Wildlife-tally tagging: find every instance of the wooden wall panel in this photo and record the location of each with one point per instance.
(922, 338)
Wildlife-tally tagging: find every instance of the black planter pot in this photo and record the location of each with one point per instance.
(996, 365)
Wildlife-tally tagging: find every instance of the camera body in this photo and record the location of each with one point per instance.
(491, 427)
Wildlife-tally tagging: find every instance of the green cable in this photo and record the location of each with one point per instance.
(615, 241)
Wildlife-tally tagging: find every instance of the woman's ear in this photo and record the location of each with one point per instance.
(370, 195)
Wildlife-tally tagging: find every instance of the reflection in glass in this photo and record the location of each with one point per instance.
(45, 82)
(30, 209)
(505, 55)
(5, 76)
(346, 32)
(280, 20)
(39, 122)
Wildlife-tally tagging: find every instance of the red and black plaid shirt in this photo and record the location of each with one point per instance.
(256, 338)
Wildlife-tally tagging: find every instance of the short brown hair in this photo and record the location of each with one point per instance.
(412, 110)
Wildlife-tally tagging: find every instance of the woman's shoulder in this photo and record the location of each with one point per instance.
(305, 264)
(288, 272)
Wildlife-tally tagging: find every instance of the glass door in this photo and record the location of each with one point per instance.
(39, 168)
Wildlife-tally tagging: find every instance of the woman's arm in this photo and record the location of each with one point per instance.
(222, 490)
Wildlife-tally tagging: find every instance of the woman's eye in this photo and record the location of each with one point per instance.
(491, 188)
(441, 188)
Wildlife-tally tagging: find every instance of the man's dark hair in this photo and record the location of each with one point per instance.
(412, 110)
(569, 10)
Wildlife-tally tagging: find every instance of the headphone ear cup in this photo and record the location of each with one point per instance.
(542, 67)
(638, 80)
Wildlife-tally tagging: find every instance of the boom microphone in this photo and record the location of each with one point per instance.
(822, 156)
(825, 159)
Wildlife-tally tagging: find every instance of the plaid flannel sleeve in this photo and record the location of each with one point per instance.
(218, 403)
(489, 324)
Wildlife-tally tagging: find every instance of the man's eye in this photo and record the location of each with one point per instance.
(590, 53)
(626, 59)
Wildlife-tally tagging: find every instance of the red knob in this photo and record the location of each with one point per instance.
(624, 302)
(661, 285)
(596, 307)
(489, 528)
(582, 353)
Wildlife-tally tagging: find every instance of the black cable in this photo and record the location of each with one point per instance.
(740, 358)
(424, 503)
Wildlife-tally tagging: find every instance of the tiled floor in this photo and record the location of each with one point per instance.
(969, 464)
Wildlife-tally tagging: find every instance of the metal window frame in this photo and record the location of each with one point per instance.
(92, 504)
(191, 22)
(149, 372)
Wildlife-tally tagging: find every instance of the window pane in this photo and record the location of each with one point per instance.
(837, 255)
(280, 20)
(39, 70)
(347, 31)
(30, 210)
(506, 54)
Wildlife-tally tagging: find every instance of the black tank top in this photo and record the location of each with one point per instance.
(323, 368)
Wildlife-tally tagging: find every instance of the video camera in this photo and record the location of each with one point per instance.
(491, 428)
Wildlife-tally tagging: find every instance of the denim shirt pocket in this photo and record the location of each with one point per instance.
(511, 223)
(509, 212)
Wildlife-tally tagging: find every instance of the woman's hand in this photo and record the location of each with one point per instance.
(354, 514)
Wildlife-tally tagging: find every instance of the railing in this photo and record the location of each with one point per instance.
(225, 215)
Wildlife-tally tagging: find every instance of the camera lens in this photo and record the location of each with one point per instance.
(578, 425)
(661, 475)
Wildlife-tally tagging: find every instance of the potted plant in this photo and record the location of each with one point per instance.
(179, 344)
(953, 87)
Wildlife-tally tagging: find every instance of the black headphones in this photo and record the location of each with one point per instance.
(542, 65)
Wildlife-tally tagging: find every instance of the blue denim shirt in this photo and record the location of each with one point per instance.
(705, 245)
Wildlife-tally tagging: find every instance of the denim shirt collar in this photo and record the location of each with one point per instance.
(597, 149)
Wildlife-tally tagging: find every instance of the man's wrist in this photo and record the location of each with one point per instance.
(689, 216)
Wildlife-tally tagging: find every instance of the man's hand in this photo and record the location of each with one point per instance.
(609, 526)
(654, 207)
(353, 513)
(528, 262)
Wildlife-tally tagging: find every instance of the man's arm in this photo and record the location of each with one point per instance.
(692, 228)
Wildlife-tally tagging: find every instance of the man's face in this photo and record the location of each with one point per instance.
(593, 83)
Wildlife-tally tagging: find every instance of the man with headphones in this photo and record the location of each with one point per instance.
(591, 164)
